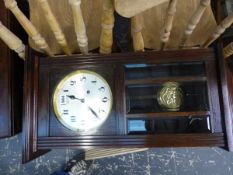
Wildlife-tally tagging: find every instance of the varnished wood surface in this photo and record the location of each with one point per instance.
(158, 140)
(168, 114)
(11, 79)
(225, 99)
(42, 131)
(165, 79)
(30, 109)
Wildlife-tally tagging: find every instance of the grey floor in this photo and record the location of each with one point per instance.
(169, 161)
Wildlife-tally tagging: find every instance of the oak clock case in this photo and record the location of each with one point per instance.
(136, 117)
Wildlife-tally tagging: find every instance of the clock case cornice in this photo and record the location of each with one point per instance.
(35, 145)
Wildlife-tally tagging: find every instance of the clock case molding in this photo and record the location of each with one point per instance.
(43, 132)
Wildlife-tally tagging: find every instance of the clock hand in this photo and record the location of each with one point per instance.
(93, 112)
(73, 97)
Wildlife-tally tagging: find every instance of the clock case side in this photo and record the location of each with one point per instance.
(11, 79)
(225, 82)
(31, 67)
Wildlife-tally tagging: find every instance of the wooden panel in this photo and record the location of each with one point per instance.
(11, 81)
(224, 99)
(168, 114)
(55, 75)
(30, 110)
(157, 140)
(165, 79)
(43, 73)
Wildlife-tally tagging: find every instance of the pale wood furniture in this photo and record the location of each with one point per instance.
(79, 25)
(166, 30)
(28, 27)
(54, 25)
(220, 29)
(130, 8)
(195, 19)
(136, 32)
(106, 37)
(12, 41)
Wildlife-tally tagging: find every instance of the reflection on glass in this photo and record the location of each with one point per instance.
(190, 124)
(143, 99)
(144, 71)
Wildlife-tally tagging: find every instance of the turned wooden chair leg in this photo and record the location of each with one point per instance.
(228, 50)
(136, 28)
(28, 26)
(194, 21)
(54, 25)
(80, 28)
(12, 41)
(166, 31)
(227, 22)
(106, 37)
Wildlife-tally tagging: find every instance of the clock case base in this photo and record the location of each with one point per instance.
(43, 132)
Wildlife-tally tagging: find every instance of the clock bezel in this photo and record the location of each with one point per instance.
(59, 87)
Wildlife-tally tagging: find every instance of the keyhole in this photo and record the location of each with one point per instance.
(88, 91)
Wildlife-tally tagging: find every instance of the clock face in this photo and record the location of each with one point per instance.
(82, 100)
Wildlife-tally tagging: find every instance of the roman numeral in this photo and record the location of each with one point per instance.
(105, 99)
(65, 112)
(83, 79)
(65, 90)
(73, 119)
(101, 110)
(72, 83)
(102, 89)
(63, 99)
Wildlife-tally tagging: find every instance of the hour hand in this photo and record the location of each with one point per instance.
(93, 112)
(74, 98)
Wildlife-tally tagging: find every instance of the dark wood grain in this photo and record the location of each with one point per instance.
(158, 140)
(120, 101)
(168, 114)
(30, 150)
(150, 57)
(224, 100)
(213, 94)
(11, 80)
(164, 80)
(42, 130)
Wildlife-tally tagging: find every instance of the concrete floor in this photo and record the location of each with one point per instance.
(169, 161)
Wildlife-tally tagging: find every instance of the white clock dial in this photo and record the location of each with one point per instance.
(82, 100)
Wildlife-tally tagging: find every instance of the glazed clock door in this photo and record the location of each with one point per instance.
(151, 99)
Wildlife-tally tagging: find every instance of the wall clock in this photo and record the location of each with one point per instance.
(110, 101)
(11, 80)
(82, 100)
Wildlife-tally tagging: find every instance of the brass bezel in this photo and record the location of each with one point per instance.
(59, 87)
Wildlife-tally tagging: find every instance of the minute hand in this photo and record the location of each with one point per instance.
(93, 112)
